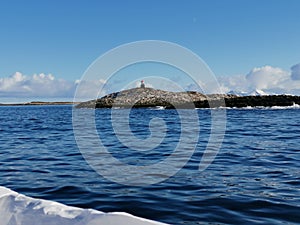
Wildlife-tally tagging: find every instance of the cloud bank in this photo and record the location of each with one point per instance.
(265, 79)
(44, 86)
(296, 72)
(37, 85)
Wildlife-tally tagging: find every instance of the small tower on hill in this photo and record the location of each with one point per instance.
(142, 84)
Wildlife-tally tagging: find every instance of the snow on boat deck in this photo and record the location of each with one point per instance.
(18, 209)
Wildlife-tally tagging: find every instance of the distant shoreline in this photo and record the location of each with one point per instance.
(37, 103)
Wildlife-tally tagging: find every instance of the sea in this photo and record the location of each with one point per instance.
(254, 178)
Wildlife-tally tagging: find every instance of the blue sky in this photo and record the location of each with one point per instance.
(63, 38)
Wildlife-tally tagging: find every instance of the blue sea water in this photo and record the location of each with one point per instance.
(254, 179)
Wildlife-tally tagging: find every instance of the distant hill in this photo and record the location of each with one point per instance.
(38, 103)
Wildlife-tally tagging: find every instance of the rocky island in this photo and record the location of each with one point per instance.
(149, 97)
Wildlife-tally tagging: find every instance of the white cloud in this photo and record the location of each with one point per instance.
(37, 85)
(237, 83)
(19, 86)
(295, 72)
(266, 77)
(86, 90)
(269, 79)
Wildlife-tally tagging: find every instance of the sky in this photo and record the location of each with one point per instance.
(46, 46)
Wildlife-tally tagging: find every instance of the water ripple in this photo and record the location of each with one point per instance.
(254, 179)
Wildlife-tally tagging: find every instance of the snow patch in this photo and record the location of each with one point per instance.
(255, 92)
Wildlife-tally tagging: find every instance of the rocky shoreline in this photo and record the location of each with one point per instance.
(149, 97)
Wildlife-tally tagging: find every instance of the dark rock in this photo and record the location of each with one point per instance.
(266, 101)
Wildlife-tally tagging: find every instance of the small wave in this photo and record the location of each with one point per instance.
(294, 106)
(158, 108)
